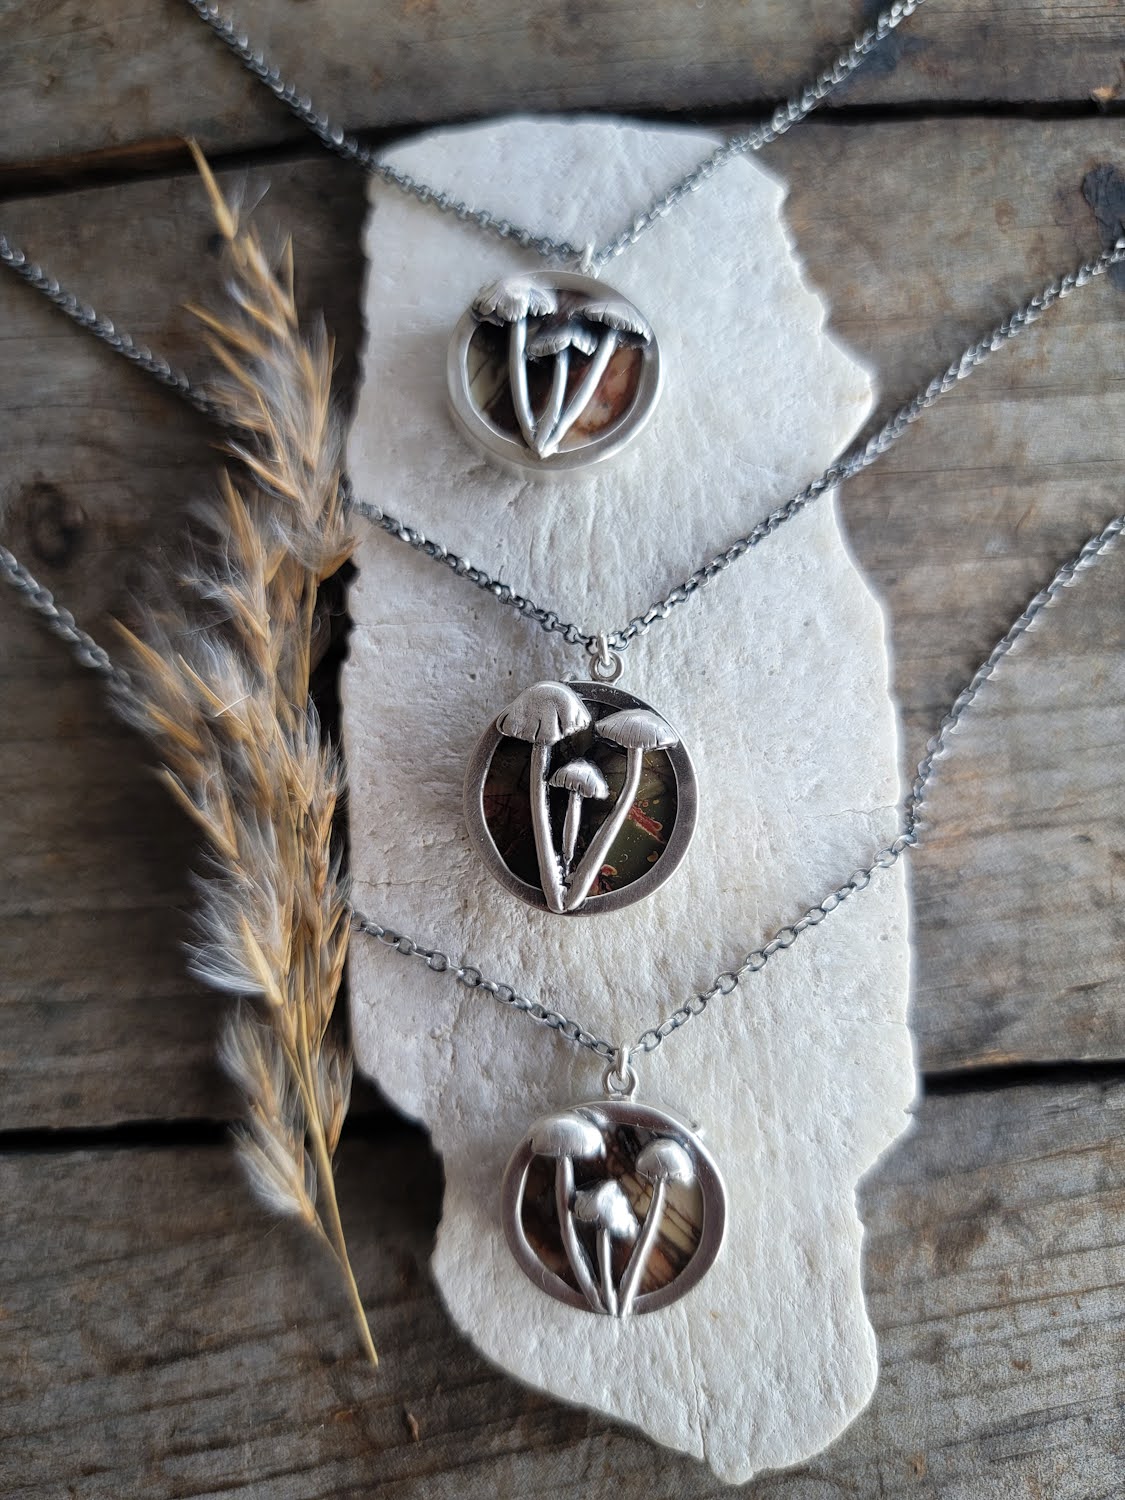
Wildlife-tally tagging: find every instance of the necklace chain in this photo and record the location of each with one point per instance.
(593, 258)
(59, 621)
(88, 318)
(852, 462)
(596, 642)
(724, 984)
(90, 655)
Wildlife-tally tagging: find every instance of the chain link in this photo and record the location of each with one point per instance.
(852, 462)
(596, 642)
(59, 621)
(104, 329)
(473, 979)
(592, 258)
(90, 655)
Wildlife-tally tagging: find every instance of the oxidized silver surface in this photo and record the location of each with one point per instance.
(628, 1178)
(93, 657)
(336, 139)
(568, 730)
(855, 461)
(552, 372)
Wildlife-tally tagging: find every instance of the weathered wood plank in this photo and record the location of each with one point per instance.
(109, 77)
(102, 1023)
(1017, 938)
(160, 1337)
(957, 527)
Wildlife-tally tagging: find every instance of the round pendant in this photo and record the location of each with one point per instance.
(614, 1207)
(552, 372)
(580, 798)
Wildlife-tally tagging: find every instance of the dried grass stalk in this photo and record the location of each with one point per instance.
(220, 666)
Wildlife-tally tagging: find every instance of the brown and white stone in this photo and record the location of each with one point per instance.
(776, 675)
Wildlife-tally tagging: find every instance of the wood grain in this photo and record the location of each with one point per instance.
(161, 1338)
(956, 528)
(111, 82)
(101, 1021)
(1018, 938)
(158, 1336)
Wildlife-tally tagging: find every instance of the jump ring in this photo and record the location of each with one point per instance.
(607, 665)
(620, 1078)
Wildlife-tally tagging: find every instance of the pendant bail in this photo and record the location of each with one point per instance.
(607, 665)
(620, 1077)
(586, 260)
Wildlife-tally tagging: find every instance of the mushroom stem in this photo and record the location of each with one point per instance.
(602, 841)
(575, 1253)
(550, 877)
(545, 428)
(584, 394)
(631, 1280)
(517, 378)
(571, 825)
(605, 1265)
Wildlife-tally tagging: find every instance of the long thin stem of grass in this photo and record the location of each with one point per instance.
(219, 672)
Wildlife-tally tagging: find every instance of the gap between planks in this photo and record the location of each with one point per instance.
(378, 1122)
(117, 166)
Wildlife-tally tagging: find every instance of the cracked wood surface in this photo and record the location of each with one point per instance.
(128, 81)
(158, 1336)
(1021, 948)
(163, 1339)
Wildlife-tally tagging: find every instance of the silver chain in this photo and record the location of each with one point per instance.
(598, 642)
(105, 329)
(726, 983)
(92, 656)
(89, 654)
(59, 621)
(853, 461)
(592, 258)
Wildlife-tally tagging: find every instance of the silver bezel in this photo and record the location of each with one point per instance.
(687, 812)
(627, 1113)
(510, 452)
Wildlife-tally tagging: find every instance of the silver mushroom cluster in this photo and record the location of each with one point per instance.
(605, 1207)
(545, 715)
(542, 328)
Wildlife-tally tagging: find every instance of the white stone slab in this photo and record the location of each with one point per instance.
(776, 676)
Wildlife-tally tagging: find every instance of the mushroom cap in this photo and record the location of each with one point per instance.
(664, 1160)
(607, 1207)
(581, 777)
(637, 729)
(553, 339)
(566, 1134)
(544, 713)
(513, 298)
(621, 316)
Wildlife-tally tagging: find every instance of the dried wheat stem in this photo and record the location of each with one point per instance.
(220, 671)
(337, 1240)
(327, 1178)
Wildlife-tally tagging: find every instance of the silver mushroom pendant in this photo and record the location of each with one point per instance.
(551, 372)
(612, 1206)
(580, 798)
